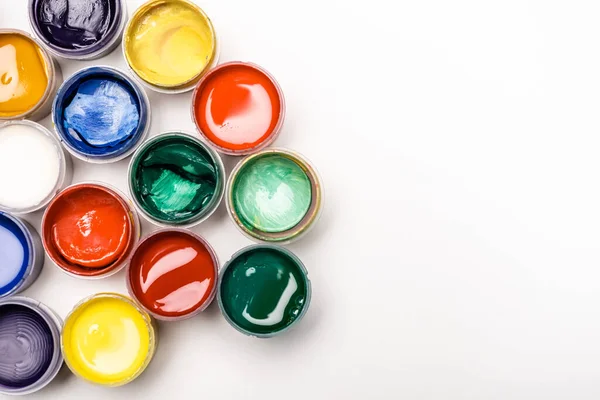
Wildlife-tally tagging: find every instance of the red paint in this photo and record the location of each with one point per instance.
(173, 274)
(87, 230)
(238, 107)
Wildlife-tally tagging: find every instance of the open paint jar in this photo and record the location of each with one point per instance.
(173, 274)
(89, 230)
(239, 108)
(33, 164)
(170, 44)
(29, 77)
(29, 345)
(101, 115)
(264, 290)
(108, 340)
(78, 29)
(274, 195)
(22, 255)
(176, 180)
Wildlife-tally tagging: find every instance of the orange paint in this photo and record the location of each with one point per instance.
(87, 230)
(238, 107)
(23, 74)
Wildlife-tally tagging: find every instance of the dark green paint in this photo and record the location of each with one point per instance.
(175, 179)
(264, 290)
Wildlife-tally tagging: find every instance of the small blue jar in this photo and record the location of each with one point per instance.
(22, 255)
(101, 115)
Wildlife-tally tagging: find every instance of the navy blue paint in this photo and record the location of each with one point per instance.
(16, 230)
(94, 122)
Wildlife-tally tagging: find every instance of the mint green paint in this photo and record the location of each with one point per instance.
(263, 290)
(175, 179)
(271, 193)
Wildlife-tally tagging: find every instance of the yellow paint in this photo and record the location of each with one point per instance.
(107, 340)
(23, 74)
(169, 43)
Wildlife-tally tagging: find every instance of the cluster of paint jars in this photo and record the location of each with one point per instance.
(176, 180)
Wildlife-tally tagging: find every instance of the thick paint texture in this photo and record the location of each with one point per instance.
(30, 165)
(106, 340)
(172, 274)
(87, 229)
(169, 43)
(271, 193)
(263, 290)
(26, 346)
(23, 75)
(175, 179)
(101, 116)
(237, 107)
(14, 254)
(75, 24)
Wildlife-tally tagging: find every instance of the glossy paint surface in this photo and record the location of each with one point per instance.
(23, 74)
(106, 340)
(175, 179)
(173, 274)
(169, 42)
(26, 346)
(237, 106)
(271, 193)
(75, 24)
(87, 229)
(263, 290)
(14, 252)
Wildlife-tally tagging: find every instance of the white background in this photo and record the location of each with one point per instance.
(457, 256)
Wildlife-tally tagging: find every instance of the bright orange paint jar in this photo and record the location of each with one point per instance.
(238, 108)
(89, 230)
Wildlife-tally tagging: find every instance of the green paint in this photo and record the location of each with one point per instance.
(271, 193)
(175, 179)
(263, 290)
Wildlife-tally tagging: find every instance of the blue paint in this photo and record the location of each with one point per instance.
(100, 113)
(14, 254)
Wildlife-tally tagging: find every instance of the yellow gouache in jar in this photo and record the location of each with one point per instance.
(169, 43)
(108, 340)
(23, 74)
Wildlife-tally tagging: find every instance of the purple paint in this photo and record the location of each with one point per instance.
(77, 27)
(30, 354)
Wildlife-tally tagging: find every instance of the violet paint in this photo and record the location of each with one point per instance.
(30, 354)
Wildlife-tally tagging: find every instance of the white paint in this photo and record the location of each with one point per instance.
(275, 316)
(29, 166)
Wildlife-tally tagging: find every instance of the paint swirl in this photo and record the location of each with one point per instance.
(26, 346)
(271, 193)
(263, 290)
(75, 24)
(175, 179)
(101, 116)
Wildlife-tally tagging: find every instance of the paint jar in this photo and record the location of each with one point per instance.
(173, 274)
(78, 29)
(108, 340)
(101, 115)
(29, 344)
(274, 196)
(90, 230)
(170, 44)
(29, 77)
(238, 108)
(33, 164)
(175, 179)
(22, 255)
(264, 290)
